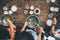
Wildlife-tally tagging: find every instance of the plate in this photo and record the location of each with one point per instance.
(58, 34)
(37, 11)
(49, 22)
(58, 31)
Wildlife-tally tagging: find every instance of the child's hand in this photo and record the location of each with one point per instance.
(11, 29)
(11, 24)
(25, 24)
(39, 30)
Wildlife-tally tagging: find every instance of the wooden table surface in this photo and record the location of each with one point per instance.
(21, 17)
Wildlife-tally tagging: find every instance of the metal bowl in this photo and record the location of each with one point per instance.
(5, 17)
(35, 20)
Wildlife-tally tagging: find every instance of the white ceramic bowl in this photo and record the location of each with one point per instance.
(5, 8)
(47, 1)
(25, 11)
(14, 8)
(32, 7)
(5, 12)
(52, 9)
(31, 12)
(10, 12)
(56, 9)
(50, 15)
(27, 6)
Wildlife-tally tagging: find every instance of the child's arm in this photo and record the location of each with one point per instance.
(53, 26)
(23, 29)
(39, 31)
(11, 29)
